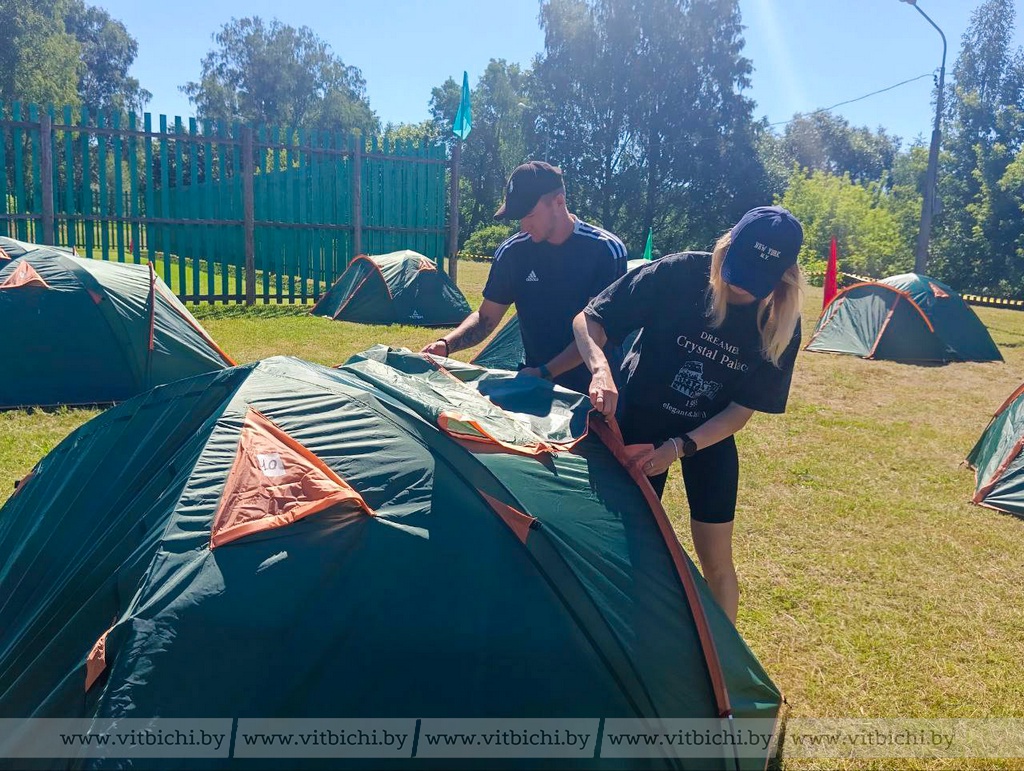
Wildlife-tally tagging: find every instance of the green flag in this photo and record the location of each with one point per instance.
(464, 117)
(650, 245)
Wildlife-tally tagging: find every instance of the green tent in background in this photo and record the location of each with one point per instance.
(505, 350)
(388, 539)
(79, 331)
(396, 288)
(997, 458)
(909, 317)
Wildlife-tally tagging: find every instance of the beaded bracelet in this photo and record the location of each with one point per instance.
(675, 447)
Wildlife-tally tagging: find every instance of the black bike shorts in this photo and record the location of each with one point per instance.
(711, 477)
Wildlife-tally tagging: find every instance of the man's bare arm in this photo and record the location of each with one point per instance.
(474, 329)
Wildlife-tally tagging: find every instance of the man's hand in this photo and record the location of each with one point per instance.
(603, 393)
(533, 371)
(437, 348)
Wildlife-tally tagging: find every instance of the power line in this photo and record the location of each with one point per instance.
(851, 101)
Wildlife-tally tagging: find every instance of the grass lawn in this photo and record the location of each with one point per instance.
(871, 587)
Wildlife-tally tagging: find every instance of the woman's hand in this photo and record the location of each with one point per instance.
(603, 393)
(657, 460)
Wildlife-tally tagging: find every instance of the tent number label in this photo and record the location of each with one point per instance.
(271, 464)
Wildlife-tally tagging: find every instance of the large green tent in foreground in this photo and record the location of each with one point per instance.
(396, 288)
(910, 317)
(80, 331)
(400, 537)
(998, 461)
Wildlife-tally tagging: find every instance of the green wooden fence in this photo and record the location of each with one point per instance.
(233, 213)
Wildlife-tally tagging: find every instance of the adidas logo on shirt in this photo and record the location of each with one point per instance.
(532, 276)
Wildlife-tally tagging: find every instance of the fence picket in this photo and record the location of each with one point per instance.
(318, 196)
(133, 190)
(118, 190)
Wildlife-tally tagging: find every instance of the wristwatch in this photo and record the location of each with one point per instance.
(689, 446)
(544, 371)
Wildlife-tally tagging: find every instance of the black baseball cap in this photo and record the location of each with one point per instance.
(763, 245)
(525, 187)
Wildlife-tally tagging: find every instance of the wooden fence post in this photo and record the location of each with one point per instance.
(248, 203)
(357, 197)
(46, 174)
(453, 216)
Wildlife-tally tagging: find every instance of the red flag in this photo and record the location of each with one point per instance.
(831, 288)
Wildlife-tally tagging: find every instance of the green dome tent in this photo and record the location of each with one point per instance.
(11, 249)
(81, 331)
(505, 350)
(997, 458)
(396, 288)
(903, 318)
(402, 537)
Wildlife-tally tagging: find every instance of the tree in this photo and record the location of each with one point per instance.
(417, 133)
(869, 223)
(39, 60)
(827, 142)
(107, 53)
(980, 228)
(641, 103)
(775, 158)
(278, 75)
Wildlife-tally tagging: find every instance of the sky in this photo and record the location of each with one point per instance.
(806, 54)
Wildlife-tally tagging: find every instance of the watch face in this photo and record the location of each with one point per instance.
(689, 447)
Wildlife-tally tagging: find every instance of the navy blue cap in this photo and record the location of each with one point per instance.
(763, 245)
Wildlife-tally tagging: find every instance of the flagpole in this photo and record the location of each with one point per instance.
(461, 127)
(453, 219)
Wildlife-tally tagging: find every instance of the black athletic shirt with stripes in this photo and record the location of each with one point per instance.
(550, 284)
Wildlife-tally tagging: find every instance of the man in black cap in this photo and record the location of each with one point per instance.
(549, 269)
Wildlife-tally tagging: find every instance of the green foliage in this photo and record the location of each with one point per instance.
(775, 158)
(825, 142)
(487, 239)
(416, 133)
(278, 75)
(870, 224)
(39, 59)
(107, 54)
(979, 238)
(644, 149)
(65, 52)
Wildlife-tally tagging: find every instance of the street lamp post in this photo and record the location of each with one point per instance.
(928, 206)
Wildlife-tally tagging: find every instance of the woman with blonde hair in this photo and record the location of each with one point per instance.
(720, 336)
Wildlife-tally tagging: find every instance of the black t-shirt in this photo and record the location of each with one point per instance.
(680, 371)
(550, 284)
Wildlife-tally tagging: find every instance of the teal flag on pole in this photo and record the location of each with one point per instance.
(464, 117)
(650, 245)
